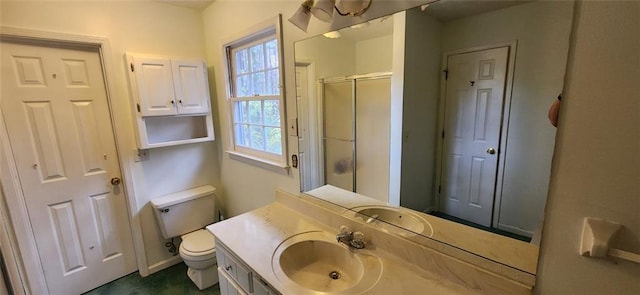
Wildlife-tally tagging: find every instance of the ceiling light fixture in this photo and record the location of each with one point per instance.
(302, 16)
(324, 10)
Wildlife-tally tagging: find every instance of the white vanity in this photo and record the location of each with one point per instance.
(290, 247)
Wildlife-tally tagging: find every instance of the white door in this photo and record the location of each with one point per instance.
(55, 107)
(191, 86)
(154, 83)
(473, 109)
(302, 100)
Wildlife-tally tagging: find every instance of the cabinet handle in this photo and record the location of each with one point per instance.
(173, 102)
(180, 101)
(228, 268)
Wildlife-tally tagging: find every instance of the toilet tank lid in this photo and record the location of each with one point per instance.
(182, 196)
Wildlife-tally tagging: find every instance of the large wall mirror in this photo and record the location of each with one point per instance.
(441, 109)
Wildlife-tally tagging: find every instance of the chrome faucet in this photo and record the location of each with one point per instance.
(351, 239)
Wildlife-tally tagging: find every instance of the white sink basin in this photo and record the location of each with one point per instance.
(398, 217)
(317, 262)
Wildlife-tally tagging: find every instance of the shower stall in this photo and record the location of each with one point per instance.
(356, 125)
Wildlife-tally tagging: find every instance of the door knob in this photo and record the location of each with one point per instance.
(491, 151)
(115, 181)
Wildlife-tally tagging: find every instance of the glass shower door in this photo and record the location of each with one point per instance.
(339, 134)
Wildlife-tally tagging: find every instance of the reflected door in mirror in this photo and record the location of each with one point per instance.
(474, 98)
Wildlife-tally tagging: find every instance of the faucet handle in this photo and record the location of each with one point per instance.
(344, 229)
(358, 236)
(358, 240)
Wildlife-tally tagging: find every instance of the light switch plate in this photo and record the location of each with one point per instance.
(293, 127)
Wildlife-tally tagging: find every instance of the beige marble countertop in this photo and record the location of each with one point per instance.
(255, 236)
(514, 253)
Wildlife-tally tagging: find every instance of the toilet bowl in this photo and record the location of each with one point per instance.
(198, 252)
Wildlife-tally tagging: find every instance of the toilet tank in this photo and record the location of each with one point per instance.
(186, 211)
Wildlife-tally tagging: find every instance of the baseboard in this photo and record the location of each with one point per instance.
(164, 264)
(515, 230)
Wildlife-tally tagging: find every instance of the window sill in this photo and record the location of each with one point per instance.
(258, 162)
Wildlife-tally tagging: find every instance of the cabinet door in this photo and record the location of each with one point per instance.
(191, 86)
(226, 285)
(155, 86)
(260, 287)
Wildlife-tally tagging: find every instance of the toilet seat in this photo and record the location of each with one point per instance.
(198, 245)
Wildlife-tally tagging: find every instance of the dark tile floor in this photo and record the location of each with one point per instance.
(170, 281)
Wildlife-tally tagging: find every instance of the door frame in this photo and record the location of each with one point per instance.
(21, 236)
(504, 126)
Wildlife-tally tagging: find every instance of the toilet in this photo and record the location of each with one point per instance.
(185, 214)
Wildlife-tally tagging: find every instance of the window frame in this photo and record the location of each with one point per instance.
(261, 33)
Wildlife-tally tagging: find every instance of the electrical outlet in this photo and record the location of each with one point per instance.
(293, 126)
(140, 155)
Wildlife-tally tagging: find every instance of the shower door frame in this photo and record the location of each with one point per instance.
(353, 80)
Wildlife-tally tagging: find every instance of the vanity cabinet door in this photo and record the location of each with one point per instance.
(241, 274)
(223, 282)
(238, 278)
(227, 285)
(260, 287)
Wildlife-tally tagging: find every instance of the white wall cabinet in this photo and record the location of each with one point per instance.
(236, 277)
(191, 87)
(171, 100)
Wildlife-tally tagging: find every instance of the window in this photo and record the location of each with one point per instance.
(255, 95)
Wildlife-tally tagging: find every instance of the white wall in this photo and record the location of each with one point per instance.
(248, 187)
(345, 57)
(596, 170)
(374, 55)
(140, 27)
(420, 109)
(331, 57)
(542, 30)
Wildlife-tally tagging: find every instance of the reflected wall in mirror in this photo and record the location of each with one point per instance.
(460, 128)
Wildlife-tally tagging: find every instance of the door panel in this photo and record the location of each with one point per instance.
(89, 141)
(44, 140)
(103, 217)
(55, 108)
(473, 111)
(67, 237)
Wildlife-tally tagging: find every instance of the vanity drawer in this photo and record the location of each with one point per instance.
(236, 271)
